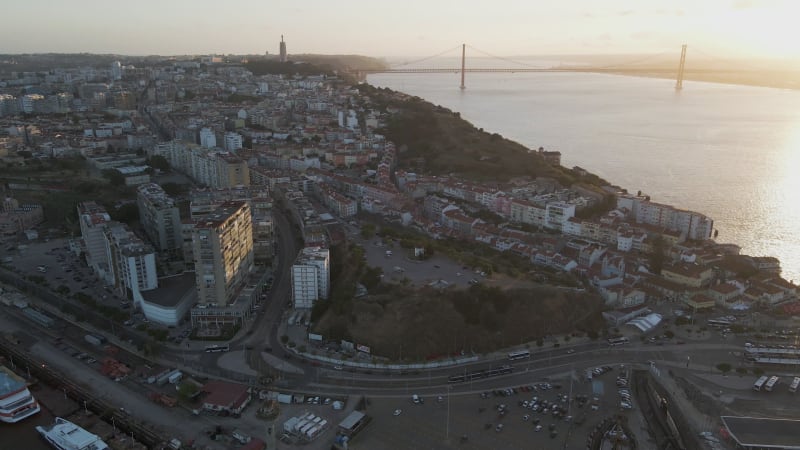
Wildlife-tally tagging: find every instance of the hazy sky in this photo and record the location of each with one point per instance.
(402, 27)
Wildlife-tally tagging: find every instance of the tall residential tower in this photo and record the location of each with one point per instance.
(283, 50)
(223, 253)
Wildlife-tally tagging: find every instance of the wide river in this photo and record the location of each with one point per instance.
(730, 152)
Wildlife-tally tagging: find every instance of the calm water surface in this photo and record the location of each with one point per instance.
(730, 152)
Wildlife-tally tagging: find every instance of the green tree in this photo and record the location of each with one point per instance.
(127, 213)
(159, 162)
(724, 367)
(114, 177)
(372, 277)
(187, 390)
(174, 189)
(367, 230)
(669, 334)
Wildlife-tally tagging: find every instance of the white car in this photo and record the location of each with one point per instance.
(397, 412)
(538, 428)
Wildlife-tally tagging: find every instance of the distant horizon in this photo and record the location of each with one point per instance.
(723, 28)
(657, 60)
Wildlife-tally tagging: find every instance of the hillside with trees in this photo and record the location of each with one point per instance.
(435, 140)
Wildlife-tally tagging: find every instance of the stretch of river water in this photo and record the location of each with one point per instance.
(730, 152)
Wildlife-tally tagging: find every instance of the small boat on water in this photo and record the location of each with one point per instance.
(65, 435)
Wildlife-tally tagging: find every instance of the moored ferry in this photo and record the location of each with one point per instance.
(16, 401)
(65, 435)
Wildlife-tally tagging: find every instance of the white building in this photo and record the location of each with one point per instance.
(557, 214)
(690, 224)
(160, 218)
(233, 141)
(93, 219)
(208, 138)
(132, 263)
(310, 276)
(116, 70)
(170, 303)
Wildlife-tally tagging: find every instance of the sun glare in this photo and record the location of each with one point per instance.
(765, 31)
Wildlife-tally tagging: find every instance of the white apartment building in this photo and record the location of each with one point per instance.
(208, 138)
(159, 217)
(557, 214)
(132, 263)
(205, 166)
(233, 141)
(690, 224)
(93, 218)
(310, 277)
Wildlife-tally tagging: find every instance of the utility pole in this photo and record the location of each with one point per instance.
(679, 83)
(463, 64)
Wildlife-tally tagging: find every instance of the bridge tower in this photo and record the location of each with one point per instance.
(463, 64)
(679, 83)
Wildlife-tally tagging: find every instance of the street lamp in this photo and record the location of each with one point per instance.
(447, 433)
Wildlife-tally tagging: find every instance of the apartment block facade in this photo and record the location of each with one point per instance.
(310, 277)
(160, 218)
(131, 262)
(222, 245)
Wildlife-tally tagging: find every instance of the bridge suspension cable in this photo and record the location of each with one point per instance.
(502, 58)
(408, 63)
(633, 62)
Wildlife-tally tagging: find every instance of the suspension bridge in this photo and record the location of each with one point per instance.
(630, 67)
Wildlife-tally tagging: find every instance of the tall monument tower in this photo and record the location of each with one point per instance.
(283, 50)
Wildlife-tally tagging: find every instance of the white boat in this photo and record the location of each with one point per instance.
(16, 401)
(65, 435)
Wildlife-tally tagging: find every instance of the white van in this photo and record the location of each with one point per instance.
(241, 436)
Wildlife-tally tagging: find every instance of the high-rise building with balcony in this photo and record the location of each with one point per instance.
(160, 218)
(222, 245)
(310, 277)
(132, 262)
(233, 141)
(93, 218)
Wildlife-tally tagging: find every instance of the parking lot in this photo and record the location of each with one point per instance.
(53, 261)
(548, 414)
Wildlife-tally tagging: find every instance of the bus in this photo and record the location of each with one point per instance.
(520, 354)
(760, 383)
(217, 348)
(795, 384)
(771, 383)
(617, 341)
